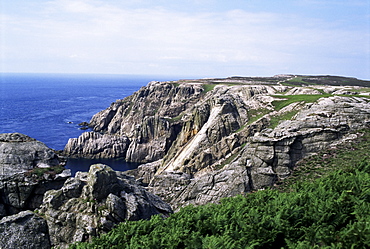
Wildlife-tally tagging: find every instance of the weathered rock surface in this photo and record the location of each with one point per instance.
(25, 176)
(24, 230)
(138, 127)
(25, 192)
(20, 153)
(93, 202)
(212, 138)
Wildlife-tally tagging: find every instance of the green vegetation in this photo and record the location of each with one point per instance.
(208, 87)
(285, 116)
(327, 206)
(297, 81)
(326, 80)
(255, 114)
(39, 172)
(289, 99)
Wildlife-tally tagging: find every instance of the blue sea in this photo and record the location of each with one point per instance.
(49, 107)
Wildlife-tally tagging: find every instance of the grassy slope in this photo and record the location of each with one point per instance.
(325, 204)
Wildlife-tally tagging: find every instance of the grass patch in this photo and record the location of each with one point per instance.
(297, 81)
(208, 87)
(39, 172)
(275, 120)
(289, 99)
(255, 114)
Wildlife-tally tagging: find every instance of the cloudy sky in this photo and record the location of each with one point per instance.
(203, 38)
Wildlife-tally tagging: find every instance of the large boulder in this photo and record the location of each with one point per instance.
(28, 168)
(21, 153)
(24, 230)
(94, 202)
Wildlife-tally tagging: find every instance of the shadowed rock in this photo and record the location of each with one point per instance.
(93, 202)
(24, 230)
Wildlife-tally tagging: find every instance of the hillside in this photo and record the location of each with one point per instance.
(203, 140)
(325, 204)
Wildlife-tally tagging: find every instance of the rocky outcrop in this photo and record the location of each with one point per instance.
(24, 230)
(93, 202)
(270, 155)
(21, 153)
(25, 192)
(28, 169)
(212, 138)
(96, 145)
(140, 128)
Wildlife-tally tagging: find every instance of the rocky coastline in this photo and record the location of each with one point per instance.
(202, 140)
(198, 141)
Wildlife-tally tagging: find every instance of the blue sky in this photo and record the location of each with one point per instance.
(194, 38)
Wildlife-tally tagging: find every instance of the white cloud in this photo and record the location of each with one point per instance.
(91, 36)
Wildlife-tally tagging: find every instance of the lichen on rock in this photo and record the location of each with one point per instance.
(94, 202)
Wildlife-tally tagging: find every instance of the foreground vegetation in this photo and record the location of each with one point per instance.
(325, 204)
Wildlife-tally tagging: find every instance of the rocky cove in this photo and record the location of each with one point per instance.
(198, 141)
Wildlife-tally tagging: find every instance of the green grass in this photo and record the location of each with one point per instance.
(289, 99)
(39, 172)
(275, 120)
(208, 87)
(255, 114)
(343, 157)
(297, 81)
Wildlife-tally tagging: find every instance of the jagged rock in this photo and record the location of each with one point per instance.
(21, 188)
(93, 202)
(198, 137)
(269, 155)
(20, 153)
(25, 192)
(139, 128)
(145, 172)
(24, 230)
(95, 145)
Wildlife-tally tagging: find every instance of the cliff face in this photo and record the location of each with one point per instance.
(214, 138)
(140, 128)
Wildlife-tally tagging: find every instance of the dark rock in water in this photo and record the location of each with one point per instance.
(93, 202)
(83, 124)
(24, 230)
(20, 153)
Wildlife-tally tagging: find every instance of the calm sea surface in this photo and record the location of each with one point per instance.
(49, 107)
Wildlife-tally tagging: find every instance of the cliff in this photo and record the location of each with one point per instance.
(212, 138)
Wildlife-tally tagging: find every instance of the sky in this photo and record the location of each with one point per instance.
(188, 38)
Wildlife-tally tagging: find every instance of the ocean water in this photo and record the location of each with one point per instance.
(49, 107)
